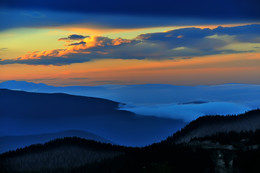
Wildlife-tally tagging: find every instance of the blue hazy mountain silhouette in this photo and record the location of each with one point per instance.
(150, 93)
(13, 142)
(24, 113)
(163, 100)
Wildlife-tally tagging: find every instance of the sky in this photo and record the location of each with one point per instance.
(91, 42)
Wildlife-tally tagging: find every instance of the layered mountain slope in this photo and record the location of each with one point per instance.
(13, 142)
(24, 113)
(223, 152)
(248, 94)
(161, 100)
(211, 125)
(59, 155)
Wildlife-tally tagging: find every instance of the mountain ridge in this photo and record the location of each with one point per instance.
(213, 124)
(13, 142)
(227, 151)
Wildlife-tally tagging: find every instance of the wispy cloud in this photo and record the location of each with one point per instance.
(73, 37)
(3, 49)
(189, 112)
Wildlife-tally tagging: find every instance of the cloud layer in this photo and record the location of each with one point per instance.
(189, 112)
(177, 102)
(180, 43)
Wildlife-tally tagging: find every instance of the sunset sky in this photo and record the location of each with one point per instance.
(185, 42)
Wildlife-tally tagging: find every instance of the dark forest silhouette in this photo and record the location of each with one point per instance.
(228, 151)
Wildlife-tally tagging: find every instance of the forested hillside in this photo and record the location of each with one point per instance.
(229, 151)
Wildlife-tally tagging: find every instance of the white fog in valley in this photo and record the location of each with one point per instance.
(176, 102)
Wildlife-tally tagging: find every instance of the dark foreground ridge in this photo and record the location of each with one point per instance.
(212, 124)
(13, 142)
(227, 151)
(59, 155)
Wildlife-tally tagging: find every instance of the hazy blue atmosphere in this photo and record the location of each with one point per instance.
(176, 102)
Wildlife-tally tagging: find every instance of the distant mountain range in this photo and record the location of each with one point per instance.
(161, 100)
(24, 113)
(151, 93)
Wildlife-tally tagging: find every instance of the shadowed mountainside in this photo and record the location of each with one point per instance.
(210, 125)
(60, 155)
(162, 100)
(230, 152)
(13, 142)
(24, 113)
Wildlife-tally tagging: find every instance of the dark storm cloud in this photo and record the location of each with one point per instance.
(247, 33)
(180, 43)
(16, 18)
(198, 8)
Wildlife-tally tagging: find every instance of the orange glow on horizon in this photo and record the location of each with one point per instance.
(239, 68)
(220, 68)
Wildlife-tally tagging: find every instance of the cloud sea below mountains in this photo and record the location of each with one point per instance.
(177, 102)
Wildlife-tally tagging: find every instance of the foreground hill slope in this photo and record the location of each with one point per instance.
(24, 113)
(210, 125)
(221, 153)
(60, 155)
(13, 142)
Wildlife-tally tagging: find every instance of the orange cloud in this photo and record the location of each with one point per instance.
(119, 41)
(91, 42)
(188, 42)
(38, 54)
